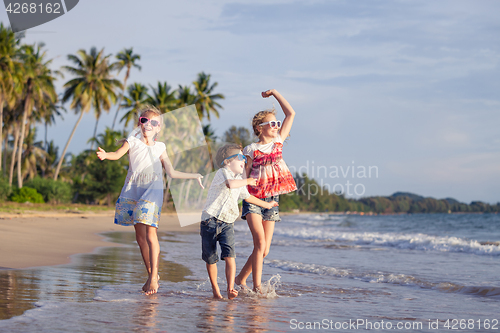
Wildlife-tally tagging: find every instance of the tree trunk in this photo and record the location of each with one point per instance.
(120, 101)
(14, 150)
(179, 203)
(20, 149)
(186, 197)
(46, 142)
(67, 144)
(166, 193)
(95, 133)
(1, 131)
(6, 143)
(23, 133)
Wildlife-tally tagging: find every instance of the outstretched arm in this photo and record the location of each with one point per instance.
(287, 110)
(169, 169)
(235, 183)
(115, 155)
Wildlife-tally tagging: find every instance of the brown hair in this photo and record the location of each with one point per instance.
(226, 151)
(259, 119)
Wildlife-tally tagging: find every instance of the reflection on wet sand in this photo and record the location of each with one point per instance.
(223, 315)
(146, 314)
(18, 290)
(77, 282)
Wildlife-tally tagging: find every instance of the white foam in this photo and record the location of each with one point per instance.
(384, 277)
(397, 240)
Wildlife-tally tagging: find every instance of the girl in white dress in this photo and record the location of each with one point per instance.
(141, 198)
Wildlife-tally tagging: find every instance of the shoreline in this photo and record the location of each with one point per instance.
(52, 238)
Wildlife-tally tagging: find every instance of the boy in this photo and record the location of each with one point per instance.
(220, 212)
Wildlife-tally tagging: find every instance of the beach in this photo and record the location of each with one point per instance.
(418, 273)
(51, 238)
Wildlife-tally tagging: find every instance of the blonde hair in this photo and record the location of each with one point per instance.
(143, 111)
(226, 151)
(259, 119)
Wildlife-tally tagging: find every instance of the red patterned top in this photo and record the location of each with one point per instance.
(270, 170)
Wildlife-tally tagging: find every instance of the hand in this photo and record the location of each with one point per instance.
(268, 93)
(101, 153)
(199, 181)
(272, 204)
(252, 181)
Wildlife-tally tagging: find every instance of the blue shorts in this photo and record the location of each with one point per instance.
(272, 214)
(212, 231)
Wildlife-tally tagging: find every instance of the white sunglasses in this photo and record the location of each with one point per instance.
(272, 123)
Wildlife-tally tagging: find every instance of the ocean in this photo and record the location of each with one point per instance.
(325, 272)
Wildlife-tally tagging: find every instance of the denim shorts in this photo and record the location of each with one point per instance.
(212, 231)
(272, 214)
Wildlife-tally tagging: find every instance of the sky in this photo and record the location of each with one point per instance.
(409, 90)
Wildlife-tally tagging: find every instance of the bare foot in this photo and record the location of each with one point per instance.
(238, 282)
(218, 295)
(153, 287)
(145, 287)
(231, 293)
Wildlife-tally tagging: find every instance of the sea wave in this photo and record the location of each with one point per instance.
(384, 277)
(418, 241)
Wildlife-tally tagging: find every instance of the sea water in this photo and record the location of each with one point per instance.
(325, 272)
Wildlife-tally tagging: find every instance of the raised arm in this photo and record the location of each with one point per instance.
(115, 155)
(287, 110)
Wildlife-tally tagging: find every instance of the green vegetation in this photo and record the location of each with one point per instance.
(52, 191)
(26, 194)
(310, 197)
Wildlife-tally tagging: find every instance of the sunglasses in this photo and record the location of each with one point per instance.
(272, 123)
(240, 158)
(144, 120)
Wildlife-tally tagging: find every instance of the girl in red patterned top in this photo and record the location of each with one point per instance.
(266, 165)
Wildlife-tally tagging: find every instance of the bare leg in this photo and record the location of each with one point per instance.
(212, 275)
(230, 273)
(262, 234)
(154, 255)
(245, 272)
(141, 238)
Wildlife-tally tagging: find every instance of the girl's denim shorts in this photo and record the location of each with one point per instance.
(272, 214)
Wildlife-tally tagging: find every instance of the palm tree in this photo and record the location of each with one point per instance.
(240, 135)
(38, 89)
(33, 155)
(163, 99)
(126, 59)
(136, 99)
(92, 86)
(185, 97)
(206, 100)
(48, 114)
(9, 49)
(51, 158)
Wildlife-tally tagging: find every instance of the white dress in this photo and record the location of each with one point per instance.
(141, 198)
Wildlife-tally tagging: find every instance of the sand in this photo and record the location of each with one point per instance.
(46, 239)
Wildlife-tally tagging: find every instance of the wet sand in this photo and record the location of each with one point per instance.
(45, 239)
